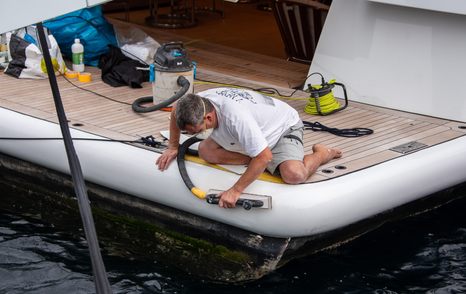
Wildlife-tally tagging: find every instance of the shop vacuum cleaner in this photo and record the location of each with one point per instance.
(171, 75)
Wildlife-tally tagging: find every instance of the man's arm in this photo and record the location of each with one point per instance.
(255, 168)
(172, 151)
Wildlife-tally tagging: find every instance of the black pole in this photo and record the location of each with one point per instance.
(98, 268)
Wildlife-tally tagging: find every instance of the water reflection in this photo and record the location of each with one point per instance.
(425, 254)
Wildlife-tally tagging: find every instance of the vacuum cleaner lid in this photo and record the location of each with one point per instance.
(172, 57)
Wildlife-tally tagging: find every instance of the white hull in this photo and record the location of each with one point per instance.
(297, 210)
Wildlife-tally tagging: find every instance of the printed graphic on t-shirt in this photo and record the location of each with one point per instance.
(239, 95)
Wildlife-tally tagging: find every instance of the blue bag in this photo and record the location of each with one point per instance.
(89, 25)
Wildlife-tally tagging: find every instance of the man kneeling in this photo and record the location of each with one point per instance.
(248, 128)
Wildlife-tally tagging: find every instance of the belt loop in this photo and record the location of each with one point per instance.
(290, 136)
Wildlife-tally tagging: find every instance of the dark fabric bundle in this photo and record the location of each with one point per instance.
(119, 70)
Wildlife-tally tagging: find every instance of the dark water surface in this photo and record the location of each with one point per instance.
(422, 254)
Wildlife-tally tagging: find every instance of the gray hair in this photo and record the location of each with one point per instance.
(191, 109)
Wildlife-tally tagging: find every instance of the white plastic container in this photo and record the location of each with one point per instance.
(77, 55)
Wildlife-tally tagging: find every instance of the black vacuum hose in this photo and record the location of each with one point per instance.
(182, 81)
(211, 198)
(182, 150)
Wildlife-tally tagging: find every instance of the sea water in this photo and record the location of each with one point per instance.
(421, 254)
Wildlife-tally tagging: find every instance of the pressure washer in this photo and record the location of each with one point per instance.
(322, 101)
(171, 75)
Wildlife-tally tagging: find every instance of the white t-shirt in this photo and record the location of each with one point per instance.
(248, 122)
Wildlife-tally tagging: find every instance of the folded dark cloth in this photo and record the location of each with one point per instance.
(119, 70)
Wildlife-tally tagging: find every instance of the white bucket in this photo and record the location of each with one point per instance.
(165, 84)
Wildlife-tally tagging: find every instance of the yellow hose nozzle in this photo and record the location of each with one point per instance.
(198, 192)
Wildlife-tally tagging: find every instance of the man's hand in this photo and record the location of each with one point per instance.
(228, 198)
(166, 158)
(256, 166)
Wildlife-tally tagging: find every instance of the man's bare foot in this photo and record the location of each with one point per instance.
(327, 153)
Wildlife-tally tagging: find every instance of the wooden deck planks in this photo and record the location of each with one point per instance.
(115, 119)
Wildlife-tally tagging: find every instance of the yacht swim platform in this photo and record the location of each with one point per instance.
(114, 119)
(345, 198)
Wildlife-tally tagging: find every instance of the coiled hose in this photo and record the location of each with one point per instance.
(324, 105)
(182, 81)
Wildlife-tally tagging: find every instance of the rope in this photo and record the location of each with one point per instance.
(148, 140)
(350, 133)
(102, 284)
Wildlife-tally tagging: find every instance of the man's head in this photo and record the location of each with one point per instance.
(191, 114)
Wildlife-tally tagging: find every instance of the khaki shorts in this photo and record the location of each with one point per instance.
(287, 147)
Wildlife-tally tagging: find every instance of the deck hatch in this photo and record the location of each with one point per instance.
(408, 147)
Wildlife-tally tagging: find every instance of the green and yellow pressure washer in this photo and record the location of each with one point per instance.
(322, 101)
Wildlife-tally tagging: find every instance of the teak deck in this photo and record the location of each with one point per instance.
(88, 112)
(92, 113)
